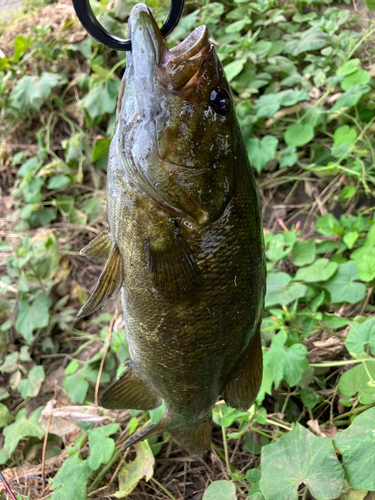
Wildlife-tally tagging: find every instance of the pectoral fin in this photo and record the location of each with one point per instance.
(129, 392)
(243, 386)
(173, 264)
(109, 284)
(100, 247)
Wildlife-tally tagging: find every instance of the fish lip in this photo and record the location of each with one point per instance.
(144, 33)
(191, 46)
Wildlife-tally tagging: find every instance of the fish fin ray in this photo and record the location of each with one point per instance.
(109, 284)
(173, 264)
(243, 386)
(100, 247)
(147, 432)
(129, 392)
(195, 439)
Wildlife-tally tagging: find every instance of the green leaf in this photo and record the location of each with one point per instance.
(253, 477)
(22, 428)
(344, 135)
(58, 181)
(357, 447)
(280, 290)
(234, 68)
(304, 252)
(300, 457)
(351, 97)
(5, 417)
(261, 152)
(360, 336)
(298, 134)
(100, 151)
(333, 321)
(348, 67)
(102, 99)
(350, 238)
(328, 225)
(358, 77)
(370, 238)
(320, 270)
(288, 157)
(31, 92)
(310, 398)
(76, 386)
(31, 316)
(30, 386)
(101, 447)
(370, 5)
(71, 480)
(356, 382)
(132, 472)
(268, 104)
(366, 268)
(343, 287)
(311, 39)
(286, 364)
(4, 394)
(220, 490)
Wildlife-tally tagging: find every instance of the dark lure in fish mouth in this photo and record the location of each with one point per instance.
(174, 67)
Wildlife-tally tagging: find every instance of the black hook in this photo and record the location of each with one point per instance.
(96, 30)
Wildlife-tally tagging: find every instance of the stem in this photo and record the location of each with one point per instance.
(340, 363)
(106, 468)
(225, 442)
(168, 493)
(360, 43)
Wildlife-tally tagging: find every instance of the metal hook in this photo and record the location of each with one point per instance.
(96, 30)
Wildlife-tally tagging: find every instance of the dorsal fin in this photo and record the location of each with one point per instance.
(100, 247)
(109, 284)
(173, 264)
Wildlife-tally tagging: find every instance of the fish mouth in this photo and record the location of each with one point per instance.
(174, 67)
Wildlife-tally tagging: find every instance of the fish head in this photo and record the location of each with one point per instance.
(177, 129)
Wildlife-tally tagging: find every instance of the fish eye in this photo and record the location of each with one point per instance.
(220, 101)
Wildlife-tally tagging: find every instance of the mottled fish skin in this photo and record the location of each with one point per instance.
(184, 213)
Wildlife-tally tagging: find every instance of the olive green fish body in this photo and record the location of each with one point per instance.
(185, 240)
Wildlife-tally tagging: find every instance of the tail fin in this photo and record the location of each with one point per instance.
(195, 439)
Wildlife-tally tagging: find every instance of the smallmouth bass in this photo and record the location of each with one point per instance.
(185, 245)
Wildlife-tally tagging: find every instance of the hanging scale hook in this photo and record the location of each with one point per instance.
(96, 30)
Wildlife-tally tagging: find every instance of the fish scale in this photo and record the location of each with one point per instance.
(185, 237)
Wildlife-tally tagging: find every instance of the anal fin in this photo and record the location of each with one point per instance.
(243, 386)
(109, 284)
(129, 392)
(100, 247)
(173, 264)
(195, 439)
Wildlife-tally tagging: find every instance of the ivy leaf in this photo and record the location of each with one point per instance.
(31, 316)
(358, 77)
(76, 386)
(101, 446)
(351, 97)
(132, 472)
(32, 384)
(350, 238)
(22, 428)
(280, 291)
(343, 287)
(71, 480)
(268, 104)
(261, 152)
(311, 39)
(304, 252)
(366, 268)
(300, 457)
(356, 382)
(220, 490)
(320, 270)
(299, 134)
(102, 98)
(286, 364)
(253, 477)
(360, 336)
(30, 92)
(288, 157)
(357, 447)
(344, 135)
(234, 68)
(5, 417)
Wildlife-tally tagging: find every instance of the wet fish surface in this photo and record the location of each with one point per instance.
(185, 245)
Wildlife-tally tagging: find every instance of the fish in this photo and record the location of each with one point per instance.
(185, 242)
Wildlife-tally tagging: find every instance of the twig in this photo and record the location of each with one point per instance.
(46, 439)
(106, 347)
(367, 298)
(7, 487)
(168, 493)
